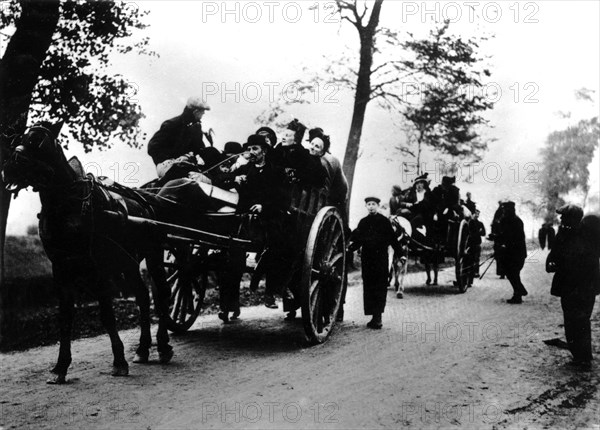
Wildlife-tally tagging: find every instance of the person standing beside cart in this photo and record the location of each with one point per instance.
(513, 250)
(374, 234)
(494, 235)
(476, 232)
(574, 261)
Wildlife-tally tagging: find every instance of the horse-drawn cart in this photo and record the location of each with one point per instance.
(434, 247)
(97, 232)
(193, 254)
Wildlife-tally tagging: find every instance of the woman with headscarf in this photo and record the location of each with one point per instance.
(336, 184)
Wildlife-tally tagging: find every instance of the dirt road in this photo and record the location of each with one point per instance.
(442, 360)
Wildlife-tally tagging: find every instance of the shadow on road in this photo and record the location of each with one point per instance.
(431, 290)
(264, 335)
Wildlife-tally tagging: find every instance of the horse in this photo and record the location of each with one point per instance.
(86, 248)
(398, 261)
(409, 228)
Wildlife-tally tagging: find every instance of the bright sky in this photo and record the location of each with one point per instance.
(236, 52)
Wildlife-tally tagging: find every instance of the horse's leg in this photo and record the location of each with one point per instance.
(435, 271)
(161, 305)
(142, 298)
(397, 269)
(65, 321)
(107, 316)
(428, 270)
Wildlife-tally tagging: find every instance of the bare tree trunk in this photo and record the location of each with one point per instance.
(419, 149)
(19, 70)
(363, 91)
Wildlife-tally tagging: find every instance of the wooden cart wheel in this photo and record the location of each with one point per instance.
(187, 281)
(323, 274)
(463, 261)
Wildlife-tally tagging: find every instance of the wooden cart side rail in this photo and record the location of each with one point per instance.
(178, 232)
(305, 204)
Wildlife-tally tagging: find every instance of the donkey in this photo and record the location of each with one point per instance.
(87, 249)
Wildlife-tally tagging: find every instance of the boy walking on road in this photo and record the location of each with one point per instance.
(374, 234)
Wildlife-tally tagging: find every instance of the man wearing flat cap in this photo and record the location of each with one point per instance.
(180, 139)
(513, 250)
(574, 261)
(374, 234)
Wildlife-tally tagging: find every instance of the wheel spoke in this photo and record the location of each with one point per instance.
(334, 245)
(177, 306)
(185, 292)
(313, 293)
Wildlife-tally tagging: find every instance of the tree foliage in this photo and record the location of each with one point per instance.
(75, 85)
(444, 69)
(445, 103)
(565, 158)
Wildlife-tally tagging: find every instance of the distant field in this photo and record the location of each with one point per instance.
(25, 258)
(28, 273)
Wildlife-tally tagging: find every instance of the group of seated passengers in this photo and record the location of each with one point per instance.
(260, 174)
(423, 206)
(179, 150)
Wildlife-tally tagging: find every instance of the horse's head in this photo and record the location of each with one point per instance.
(35, 159)
(401, 226)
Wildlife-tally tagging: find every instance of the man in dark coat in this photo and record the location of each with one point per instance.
(513, 250)
(181, 138)
(494, 235)
(264, 191)
(476, 231)
(574, 259)
(446, 200)
(374, 234)
(470, 204)
(546, 235)
(396, 200)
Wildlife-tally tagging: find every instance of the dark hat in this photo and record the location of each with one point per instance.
(422, 178)
(299, 128)
(396, 189)
(315, 132)
(233, 148)
(508, 204)
(571, 214)
(257, 139)
(372, 199)
(448, 180)
(267, 131)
